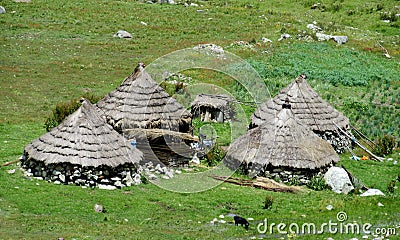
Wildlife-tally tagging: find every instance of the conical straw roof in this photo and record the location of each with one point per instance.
(283, 142)
(306, 105)
(84, 138)
(139, 102)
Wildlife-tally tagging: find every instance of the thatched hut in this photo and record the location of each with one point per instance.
(139, 102)
(283, 147)
(310, 109)
(212, 108)
(83, 150)
(147, 115)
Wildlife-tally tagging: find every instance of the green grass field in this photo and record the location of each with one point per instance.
(55, 51)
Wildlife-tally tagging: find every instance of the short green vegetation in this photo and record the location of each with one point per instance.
(54, 52)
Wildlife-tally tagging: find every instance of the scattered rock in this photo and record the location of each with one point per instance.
(380, 204)
(209, 48)
(372, 192)
(338, 179)
(315, 5)
(284, 36)
(143, 23)
(329, 207)
(338, 39)
(107, 187)
(170, 173)
(12, 171)
(2, 10)
(195, 160)
(152, 177)
(123, 34)
(322, 36)
(266, 40)
(98, 208)
(243, 44)
(166, 2)
(314, 27)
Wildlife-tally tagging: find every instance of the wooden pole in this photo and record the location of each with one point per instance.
(9, 163)
(359, 144)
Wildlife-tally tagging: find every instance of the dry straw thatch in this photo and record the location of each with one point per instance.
(284, 142)
(85, 139)
(139, 102)
(212, 107)
(306, 105)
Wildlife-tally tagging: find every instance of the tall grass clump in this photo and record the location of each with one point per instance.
(63, 110)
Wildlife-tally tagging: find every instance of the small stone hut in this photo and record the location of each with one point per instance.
(83, 150)
(215, 108)
(310, 109)
(282, 148)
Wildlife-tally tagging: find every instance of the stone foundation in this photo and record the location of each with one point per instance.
(65, 173)
(286, 175)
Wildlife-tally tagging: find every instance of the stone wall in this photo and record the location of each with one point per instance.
(103, 177)
(338, 142)
(285, 174)
(65, 173)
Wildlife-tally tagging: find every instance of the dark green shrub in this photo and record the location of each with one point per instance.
(317, 183)
(295, 181)
(385, 145)
(214, 156)
(391, 186)
(379, 7)
(269, 200)
(63, 110)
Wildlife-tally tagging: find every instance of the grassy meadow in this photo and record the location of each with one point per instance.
(55, 51)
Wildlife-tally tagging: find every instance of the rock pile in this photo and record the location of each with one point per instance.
(152, 172)
(321, 36)
(209, 48)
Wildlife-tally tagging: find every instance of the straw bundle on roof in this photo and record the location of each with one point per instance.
(84, 139)
(139, 102)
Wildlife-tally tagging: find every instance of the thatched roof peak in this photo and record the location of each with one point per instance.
(83, 138)
(306, 105)
(139, 102)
